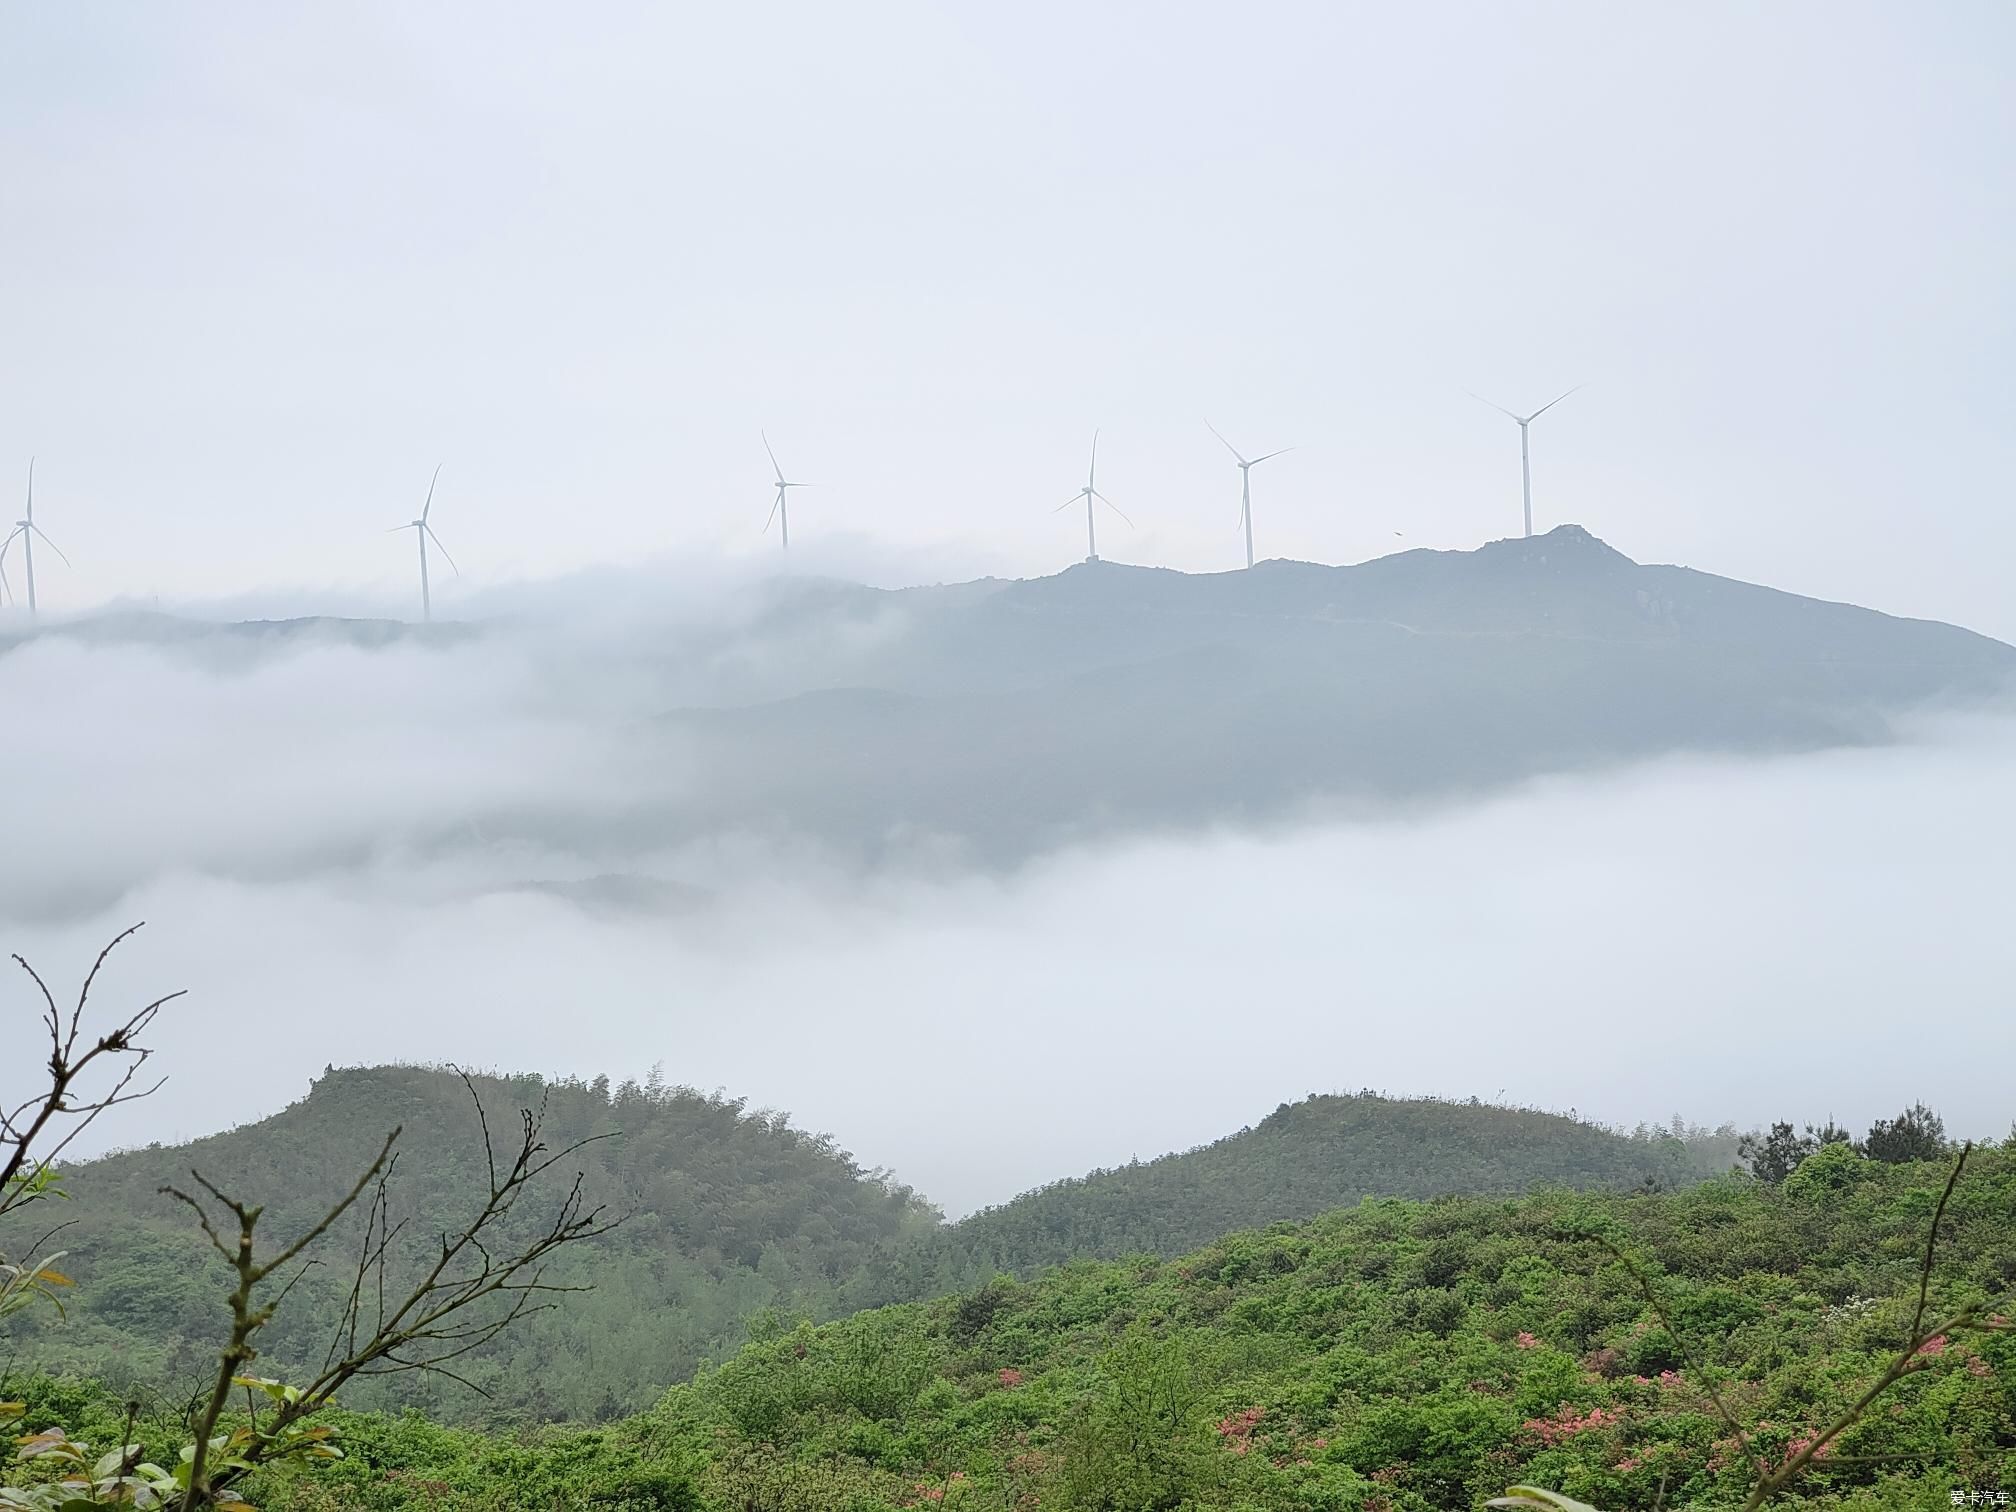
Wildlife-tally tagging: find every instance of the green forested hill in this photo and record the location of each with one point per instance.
(1390, 1357)
(726, 1213)
(1302, 1159)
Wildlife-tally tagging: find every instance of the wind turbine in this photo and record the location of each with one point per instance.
(780, 511)
(1089, 493)
(1245, 484)
(422, 531)
(25, 530)
(1525, 452)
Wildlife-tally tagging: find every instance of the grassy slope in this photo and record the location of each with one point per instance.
(1394, 1357)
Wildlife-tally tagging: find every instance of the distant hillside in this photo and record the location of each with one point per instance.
(730, 1211)
(995, 720)
(1302, 1159)
(1111, 697)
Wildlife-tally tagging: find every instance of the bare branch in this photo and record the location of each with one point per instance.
(1651, 1296)
(27, 1155)
(356, 1191)
(426, 1327)
(1932, 1233)
(1908, 1358)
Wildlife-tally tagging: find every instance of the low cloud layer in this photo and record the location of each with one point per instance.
(1797, 938)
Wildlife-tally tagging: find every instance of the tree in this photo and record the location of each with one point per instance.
(1915, 1134)
(85, 1077)
(474, 1284)
(1776, 1155)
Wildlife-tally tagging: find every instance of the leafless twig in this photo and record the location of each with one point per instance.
(36, 1131)
(424, 1324)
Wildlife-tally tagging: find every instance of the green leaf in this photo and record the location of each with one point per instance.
(279, 1391)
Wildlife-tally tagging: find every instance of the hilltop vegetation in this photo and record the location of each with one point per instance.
(1391, 1357)
(1303, 1159)
(726, 1213)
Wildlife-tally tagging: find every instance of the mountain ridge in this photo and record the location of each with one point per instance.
(731, 1211)
(989, 722)
(1569, 552)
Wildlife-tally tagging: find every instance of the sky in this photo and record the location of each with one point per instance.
(265, 267)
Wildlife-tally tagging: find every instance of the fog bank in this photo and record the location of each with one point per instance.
(1796, 938)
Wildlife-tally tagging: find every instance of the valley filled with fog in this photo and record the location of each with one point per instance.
(502, 844)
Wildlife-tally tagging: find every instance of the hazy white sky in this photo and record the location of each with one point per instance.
(264, 266)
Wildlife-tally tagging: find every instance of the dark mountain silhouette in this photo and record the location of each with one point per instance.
(994, 719)
(1112, 697)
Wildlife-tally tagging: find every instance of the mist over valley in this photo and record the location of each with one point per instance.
(1530, 822)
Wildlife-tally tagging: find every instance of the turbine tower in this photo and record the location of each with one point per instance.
(422, 532)
(1525, 452)
(25, 530)
(1089, 493)
(1245, 485)
(780, 511)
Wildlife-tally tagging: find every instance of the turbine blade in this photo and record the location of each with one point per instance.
(773, 458)
(1074, 499)
(1498, 407)
(775, 505)
(430, 491)
(31, 488)
(1114, 507)
(1224, 442)
(1092, 472)
(397, 528)
(1552, 402)
(429, 531)
(49, 543)
(1258, 460)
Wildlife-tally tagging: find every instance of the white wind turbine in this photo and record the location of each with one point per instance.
(1245, 484)
(1089, 493)
(422, 532)
(780, 511)
(1525, 452)
(25, 530)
